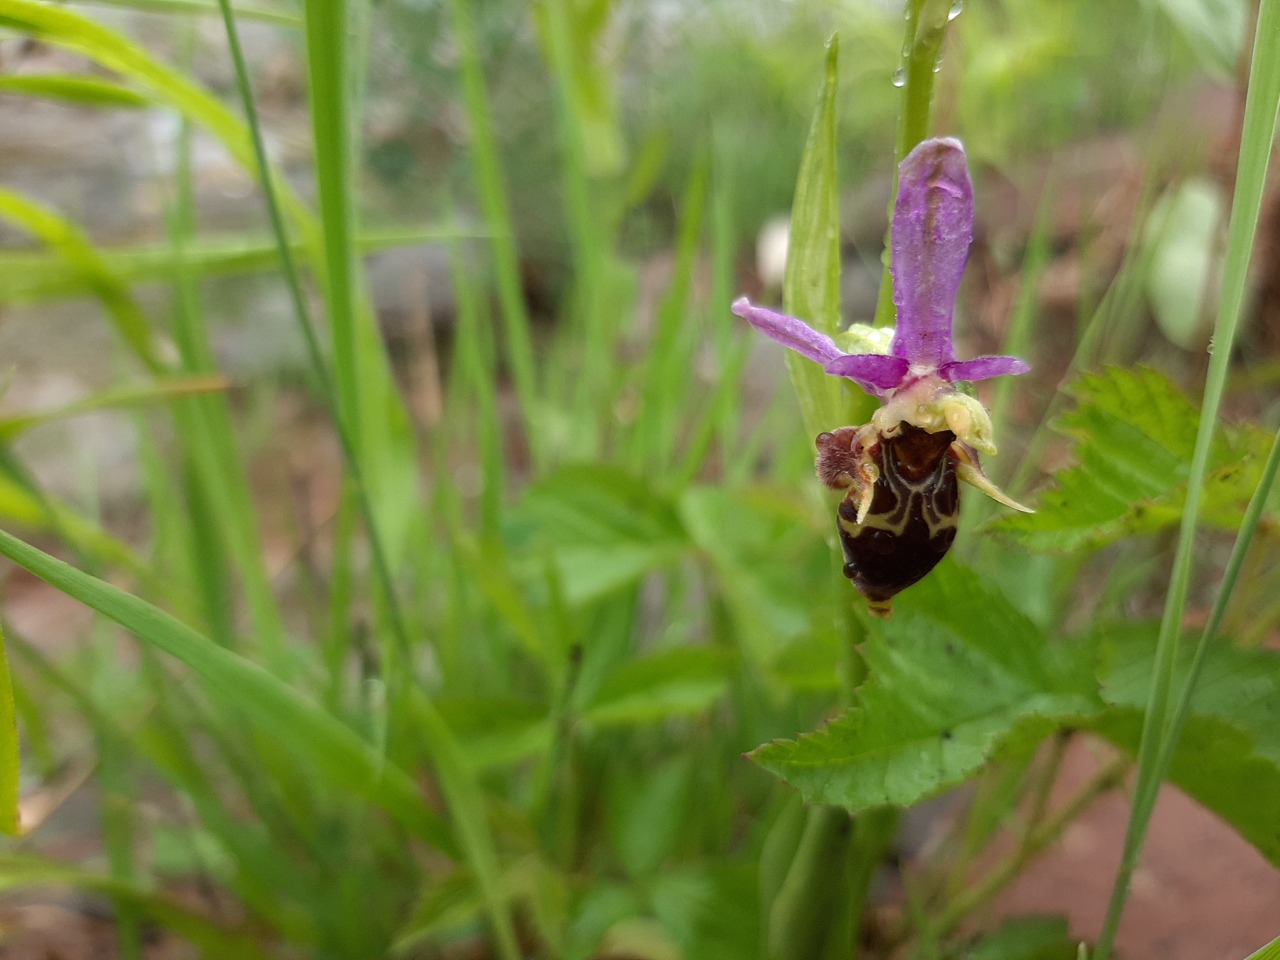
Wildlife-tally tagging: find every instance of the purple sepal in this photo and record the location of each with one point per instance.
(982, 368)
(874, 372)
(788, 331)
(932, 228)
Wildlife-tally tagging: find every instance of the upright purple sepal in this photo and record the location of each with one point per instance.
(983, 368)
(932, 228)
(875, 372)
(788, 331)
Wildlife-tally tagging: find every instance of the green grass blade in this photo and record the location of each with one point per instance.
(31, 277)
(595, 319)
(65, 28)
(1262, 109)
(489, 184)
(468, 810)
(88, 91)
(220, 497)
(71, 243)
(264, 14)
(355, 355)
(1270, 952)
(22, 502)
(116, 398)
(8, 749)
(665, 380)
(335, 753)
(326, 34)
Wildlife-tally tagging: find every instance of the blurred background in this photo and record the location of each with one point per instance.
(593, 484)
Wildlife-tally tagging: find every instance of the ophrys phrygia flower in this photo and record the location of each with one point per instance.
(898, 517)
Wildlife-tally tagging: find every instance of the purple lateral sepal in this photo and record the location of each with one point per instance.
(788, 331)
(876, 373)
(982, 368)
(929, 241)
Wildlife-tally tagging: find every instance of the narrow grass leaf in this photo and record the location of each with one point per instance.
(492, 190)
(28, 277)
(244, 11)
(87, 91)
(21, 503)
(71, 243)
(117, 398)
(470, 815)
(1270, 952)
(337, 755)
(70, 30)
(8, 749)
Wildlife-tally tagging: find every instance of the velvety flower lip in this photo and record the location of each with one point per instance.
(932, 230)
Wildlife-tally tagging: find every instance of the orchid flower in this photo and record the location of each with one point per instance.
(898, 518)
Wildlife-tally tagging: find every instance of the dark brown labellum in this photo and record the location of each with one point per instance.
(914, 505)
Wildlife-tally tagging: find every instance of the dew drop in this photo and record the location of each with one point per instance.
(899, 77)
(957, 8)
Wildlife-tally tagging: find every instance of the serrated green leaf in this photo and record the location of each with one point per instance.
(1135, 434)
(1025, 938)
(1228, 757)
(602, 527)
(647, 813)
(757, 541)
(495, 731)
(957, 673)
(712, 913)
(679, 682)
